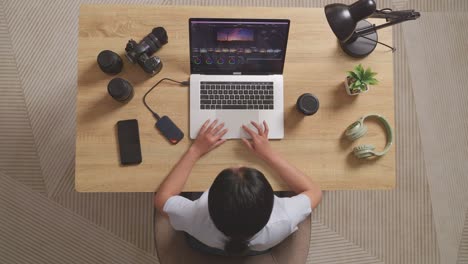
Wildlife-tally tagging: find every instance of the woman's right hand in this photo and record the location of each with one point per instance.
(259, 143)
(208, 138)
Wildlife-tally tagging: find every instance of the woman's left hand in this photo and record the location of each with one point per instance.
(209, 137)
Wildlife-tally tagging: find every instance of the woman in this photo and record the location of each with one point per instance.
(239, 214)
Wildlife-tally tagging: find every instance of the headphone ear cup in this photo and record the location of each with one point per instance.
(356, 130)
(364, 151)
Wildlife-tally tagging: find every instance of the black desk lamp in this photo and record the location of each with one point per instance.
(357, 36)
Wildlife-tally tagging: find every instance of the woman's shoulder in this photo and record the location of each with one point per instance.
(287, 213)
(290, 209)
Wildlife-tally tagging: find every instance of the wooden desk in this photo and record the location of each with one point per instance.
(314, 63)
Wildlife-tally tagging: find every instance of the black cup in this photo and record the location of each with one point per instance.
(120, 89)
(307, 104)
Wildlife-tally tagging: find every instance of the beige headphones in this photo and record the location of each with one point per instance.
(359, 129)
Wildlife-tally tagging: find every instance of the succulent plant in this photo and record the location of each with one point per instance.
(360, 79)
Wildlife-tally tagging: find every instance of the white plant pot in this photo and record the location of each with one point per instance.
(348, 91)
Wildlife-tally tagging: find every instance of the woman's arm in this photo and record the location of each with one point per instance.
(208, 138)
(294, 178)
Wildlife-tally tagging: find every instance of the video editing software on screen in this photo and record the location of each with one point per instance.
(247, 47)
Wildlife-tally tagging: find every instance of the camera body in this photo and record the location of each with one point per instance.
(141, 52)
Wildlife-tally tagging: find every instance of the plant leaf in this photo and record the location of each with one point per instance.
(360, 68)
(367, 74)
(373, 81)
(358, 83)
(373, 74)
(353, 75)
(360, 71)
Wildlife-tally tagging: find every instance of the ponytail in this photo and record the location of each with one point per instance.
(240, 202)
(236, 246)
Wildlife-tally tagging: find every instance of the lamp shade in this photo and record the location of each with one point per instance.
(344, 18)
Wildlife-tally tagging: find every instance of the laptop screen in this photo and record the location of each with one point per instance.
(238, 46)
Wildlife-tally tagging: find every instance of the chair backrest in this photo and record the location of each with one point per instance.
(173, 249)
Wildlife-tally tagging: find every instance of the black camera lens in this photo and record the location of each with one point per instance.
(109, 62)
(161, 34)
(154, 41)
(120, 89)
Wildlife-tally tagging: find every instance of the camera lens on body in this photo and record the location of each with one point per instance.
(156, 39)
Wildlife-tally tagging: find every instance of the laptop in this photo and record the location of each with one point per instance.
(236, 68)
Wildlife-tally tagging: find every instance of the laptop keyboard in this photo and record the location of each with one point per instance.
(236, 95)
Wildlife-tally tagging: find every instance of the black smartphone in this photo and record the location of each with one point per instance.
(129, 142)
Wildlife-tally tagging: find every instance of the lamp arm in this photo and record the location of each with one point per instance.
(392, 17)
(389, 14)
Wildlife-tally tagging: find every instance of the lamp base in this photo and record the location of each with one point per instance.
(360, 47)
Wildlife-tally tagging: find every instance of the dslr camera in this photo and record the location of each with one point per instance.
(141, 53)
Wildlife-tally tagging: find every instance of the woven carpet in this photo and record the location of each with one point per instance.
(38, 75)
(439, 73)
(37, 230)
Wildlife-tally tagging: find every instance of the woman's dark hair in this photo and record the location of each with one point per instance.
(240, 202)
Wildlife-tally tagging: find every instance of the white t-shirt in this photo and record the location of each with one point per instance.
(193, 217)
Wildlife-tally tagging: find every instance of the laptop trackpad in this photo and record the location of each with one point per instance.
(234, 119)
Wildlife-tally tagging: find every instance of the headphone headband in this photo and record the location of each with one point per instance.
(388, 130)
